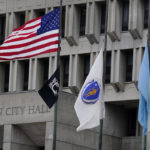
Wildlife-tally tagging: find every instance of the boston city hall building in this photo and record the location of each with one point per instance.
(26, 123)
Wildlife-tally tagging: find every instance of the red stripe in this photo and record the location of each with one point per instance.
(28, 28)
(17, 29)
(31, 36)
(47, 51)
(22, 38)
(29, 50)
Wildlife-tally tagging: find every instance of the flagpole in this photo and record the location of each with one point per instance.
(58, 63)
(104, 72)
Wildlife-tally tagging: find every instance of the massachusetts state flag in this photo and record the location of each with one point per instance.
(89, 105)
(38, 36)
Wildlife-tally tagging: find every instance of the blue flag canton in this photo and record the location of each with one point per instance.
(49, 21)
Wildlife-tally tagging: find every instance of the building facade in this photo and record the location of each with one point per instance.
(25, 121)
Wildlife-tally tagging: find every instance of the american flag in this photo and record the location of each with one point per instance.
(38, 36)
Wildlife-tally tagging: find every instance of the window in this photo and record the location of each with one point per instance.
(22, 19)
(82, 19)
(6, 77)
(63, 21)
(108, 67)
(2, 28)
(40, 12)
(103, 18)
(25, 75)
(146, 8)
(19, 19)
(125, 14)
(45, 65)
(129, 65)
(65, 70)
(132, 117)
(86, 66)
(4, 71)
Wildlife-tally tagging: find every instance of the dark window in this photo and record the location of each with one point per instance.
(108, 67)
(6, 79)
(103, 18)
(22, 19)
(132, 115)
(65, 71)
(26, 75)
(129, 65)
(125, 14)
(63, 21)
(86, 66)
(146, 6)
(41, 148)
(2, 28)
(40, 13)
(82, 19)
(46, 69)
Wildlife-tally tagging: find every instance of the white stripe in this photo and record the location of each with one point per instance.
(30, 46)
(33, 23)
(29, 39)
(30, 53)
(28, 25)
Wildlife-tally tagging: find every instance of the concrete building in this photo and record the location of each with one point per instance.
(25, 121)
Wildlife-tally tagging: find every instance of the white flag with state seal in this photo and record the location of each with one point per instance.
(89, 105)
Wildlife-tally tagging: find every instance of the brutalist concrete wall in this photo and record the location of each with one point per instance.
(69, 139)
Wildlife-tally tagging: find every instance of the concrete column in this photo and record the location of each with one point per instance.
(15, 139)
(75, 73)
(136, 18)
(72, 24)
(32, 74)
(49, 136)
(118, 70)
(93, 22)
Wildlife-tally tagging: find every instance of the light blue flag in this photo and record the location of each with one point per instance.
(143, 86)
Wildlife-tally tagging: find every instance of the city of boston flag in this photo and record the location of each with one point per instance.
(49, 91)
(89, 105)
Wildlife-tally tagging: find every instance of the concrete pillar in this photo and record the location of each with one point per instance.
(32, 74)
(75, 73)
(15, 139)
(93, 22)
(72, 24)
(49, 136)
(118, 70)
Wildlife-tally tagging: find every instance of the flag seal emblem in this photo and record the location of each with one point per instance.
(90, 93)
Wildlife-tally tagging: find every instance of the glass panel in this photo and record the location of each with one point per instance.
(46, 69)
(22, 19)
(2, 28)
(26, 75)
(82, 19)
(6, 80)
(125, 15)
(103, 18)
(86, 66)
(65, 71)
(129, 65)
(146, 6)
(63, 21)
(132, 115)
(108, 67)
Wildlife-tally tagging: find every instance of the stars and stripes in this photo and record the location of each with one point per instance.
(38, 36)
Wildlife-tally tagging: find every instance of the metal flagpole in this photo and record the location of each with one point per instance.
(58, 63)
(104, 72)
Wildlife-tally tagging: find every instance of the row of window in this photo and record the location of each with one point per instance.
(43, 65)
(20, 18)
